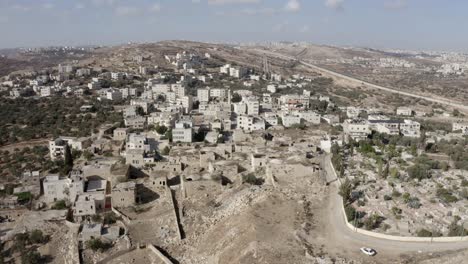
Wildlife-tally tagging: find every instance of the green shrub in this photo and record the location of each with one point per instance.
(110, 218)
(445, 195)
(424, 233)
(96, 244)
(24, 197)
(31, 257)
(350, 212)
(251, 179)
(59, 205)
(37, 237)
(345, 190)
(414, 203)
(373, 221)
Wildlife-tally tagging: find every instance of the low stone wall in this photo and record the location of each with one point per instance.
(385, 236)
(159, 254)
(175, 212)
(125, 218)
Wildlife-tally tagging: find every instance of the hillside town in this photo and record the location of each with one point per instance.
(195, 134)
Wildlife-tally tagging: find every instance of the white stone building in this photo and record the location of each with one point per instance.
(356, 129)
(203, 95)
(290, 120)
(58, 188)
(250, 123)
(404, 111)
(183, 132)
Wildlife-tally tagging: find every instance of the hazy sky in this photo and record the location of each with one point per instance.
(410, 24)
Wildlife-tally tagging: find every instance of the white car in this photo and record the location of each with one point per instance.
(368, 251)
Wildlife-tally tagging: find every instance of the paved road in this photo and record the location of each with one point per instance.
(361, 82)
(339, 231)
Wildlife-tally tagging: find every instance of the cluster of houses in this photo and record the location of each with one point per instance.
(170, 115)
(359, 129)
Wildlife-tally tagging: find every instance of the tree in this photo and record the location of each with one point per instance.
(414, 150)
(36, 237)
(386, 171)
(110, 218)
(168, 135)
(406, 197)
(21, 240)
(166, 150)
(140, 111)
(96, 244)
(380, 168)
(251, 179)
(392, 151)
(68, 160)
(96, 218)
(59, 205)
(373, 221)
(87, 155)
(419, 171)
(24, 197)
(350, 212)
(236, 98)
(161, 130)
(31, 257)
(345, 190)
(424, 233)
(456, 230)
(394, 173)
(446, 195)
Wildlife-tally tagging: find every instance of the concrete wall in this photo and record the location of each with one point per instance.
(391, 237)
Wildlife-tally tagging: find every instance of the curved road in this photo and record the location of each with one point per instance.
(339, 231)
(360, 82)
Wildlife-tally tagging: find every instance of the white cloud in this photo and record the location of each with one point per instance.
(80, 6)
(334, 4)
(293, 5)
(104, 2)
(267, 11)
(281, 26)
(4, 19)
(253, 11)
(304, 29)
(21, 7)
(48, 6)
(155, 8)
(222, 2)
(395, 4)
(126, 11)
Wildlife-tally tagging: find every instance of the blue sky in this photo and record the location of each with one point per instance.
(406, 24)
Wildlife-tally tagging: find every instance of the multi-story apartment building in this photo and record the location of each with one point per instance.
(183, 132)
(357, 129)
